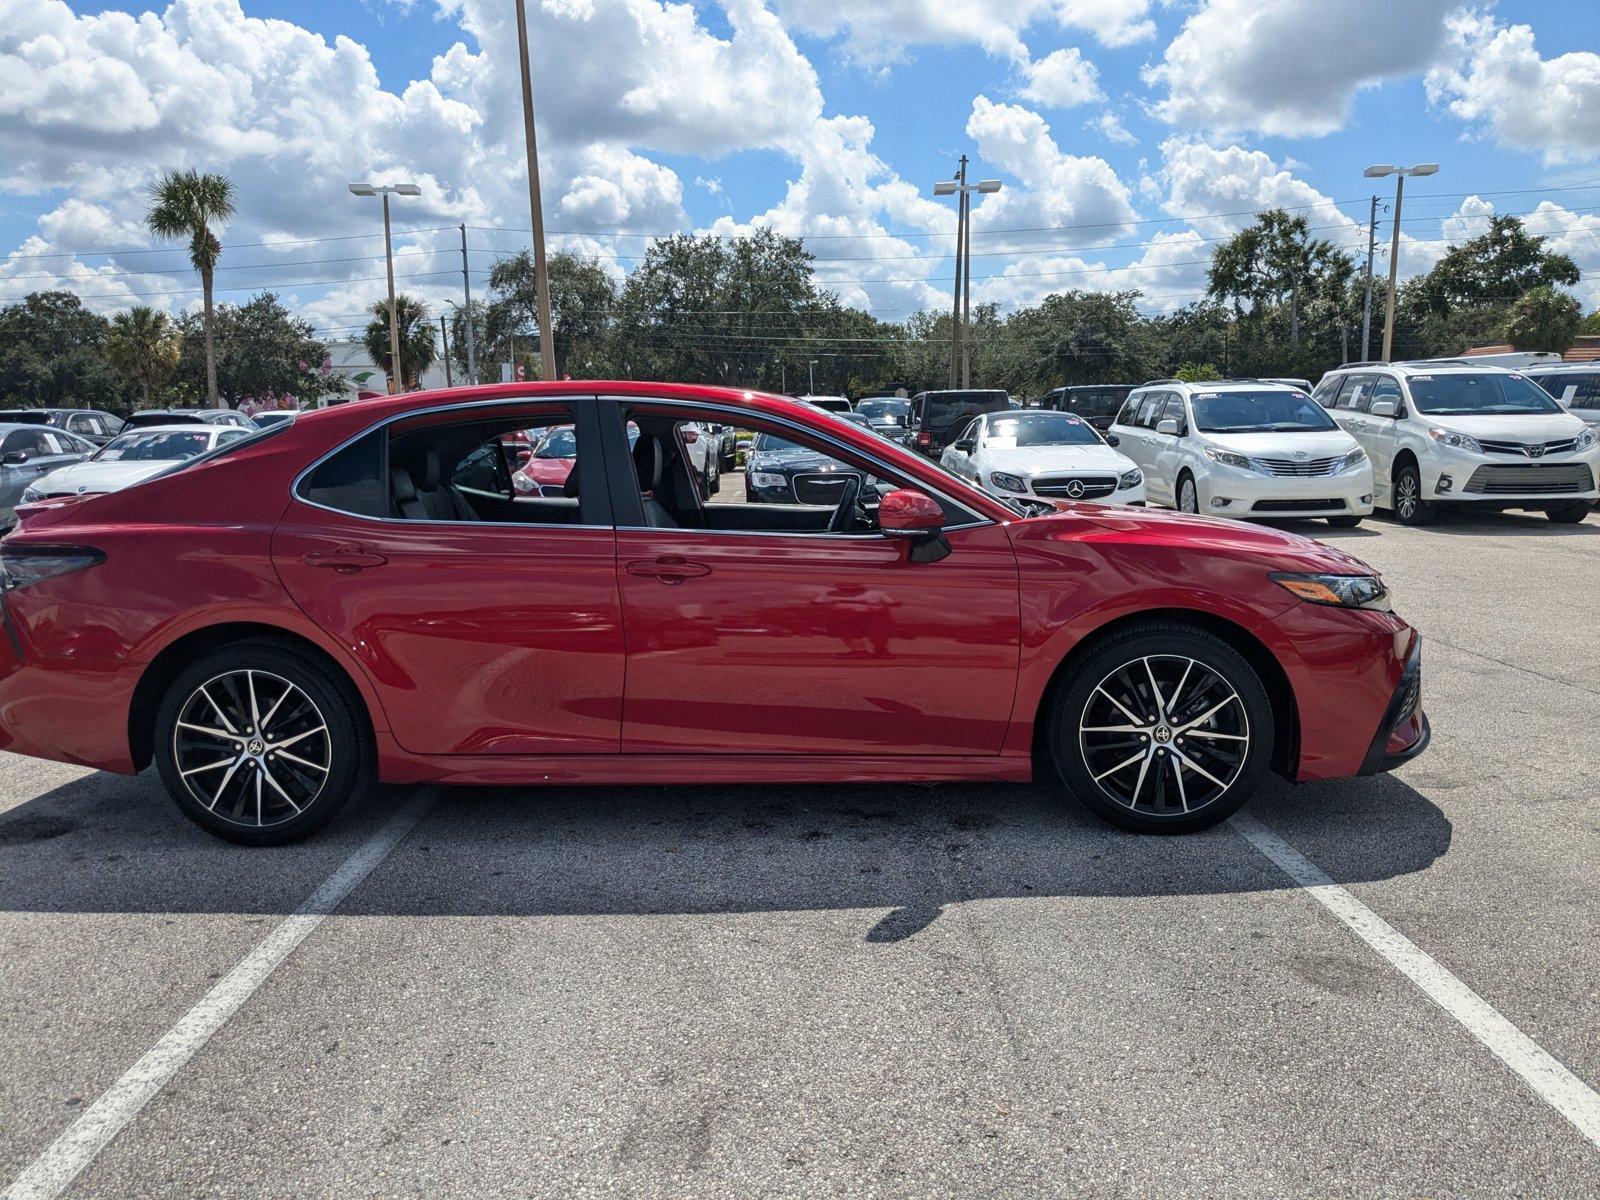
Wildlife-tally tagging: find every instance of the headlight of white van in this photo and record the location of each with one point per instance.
(1229, 459)
(1354, 459)
(1459, 441)
(1587, 438)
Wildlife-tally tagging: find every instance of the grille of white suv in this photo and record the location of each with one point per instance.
(1301, 468)
(1552, 479)
(1535, 450)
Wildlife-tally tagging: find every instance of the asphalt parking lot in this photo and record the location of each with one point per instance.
(858, 991)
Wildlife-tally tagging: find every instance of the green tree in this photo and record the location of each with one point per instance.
(1590, 324)
(1275, 264)
(264, 353)
(1544, 319)
(145, 346)
(52, 354)
(185, 204)
(1193, 372)
(1069, 338)
(582, 296)
(417, 349)
(1493, 270)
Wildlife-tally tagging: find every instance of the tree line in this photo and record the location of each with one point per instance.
(749, 312)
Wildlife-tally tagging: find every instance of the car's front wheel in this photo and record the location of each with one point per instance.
(260, 743)
(1163, 728)
(1188, 497)
(1409, 506)
(1568, 514)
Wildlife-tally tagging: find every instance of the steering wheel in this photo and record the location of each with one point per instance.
(845, 515)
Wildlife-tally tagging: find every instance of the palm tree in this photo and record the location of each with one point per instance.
(144, 345)
(185, 204)
(417, 350)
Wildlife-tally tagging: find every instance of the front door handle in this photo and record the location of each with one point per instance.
(668, 569)
(347, 560)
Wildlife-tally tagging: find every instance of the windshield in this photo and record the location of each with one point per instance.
(768, 443)
(1488, 394)
(154, 447)
(884, 408)
(559, 443)
(1039, 429)
(1259, 412)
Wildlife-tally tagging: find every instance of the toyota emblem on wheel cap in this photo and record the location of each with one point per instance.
(1075, 488)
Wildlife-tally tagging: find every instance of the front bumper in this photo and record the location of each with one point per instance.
(1404, 732)
(1250, 494)
(1509, 481)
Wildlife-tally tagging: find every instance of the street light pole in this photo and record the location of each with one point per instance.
(961, 302)
(466, 288)
(547, 343)
(396, 375)
(1366, 306)
(1378, 171)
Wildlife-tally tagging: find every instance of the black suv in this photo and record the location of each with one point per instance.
(937, 417)
(1096, 403)
(88, 423)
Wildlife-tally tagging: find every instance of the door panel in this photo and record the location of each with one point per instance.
(787, 644)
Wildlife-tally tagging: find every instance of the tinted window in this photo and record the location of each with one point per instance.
(1093, 402)
(1130, 411)
(24, 440)
(1487, 394)
(1327, 391)
(460, 472)
(1259, 412)
(1151, 404)
(884, 408)
(949, 410)
(1355, 393)
(354, 480)
(1573, 389)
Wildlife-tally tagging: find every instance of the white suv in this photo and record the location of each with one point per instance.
(1453, 432)
(1243, 448)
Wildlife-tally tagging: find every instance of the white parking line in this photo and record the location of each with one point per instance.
(1556, 1086)
(49, 1174)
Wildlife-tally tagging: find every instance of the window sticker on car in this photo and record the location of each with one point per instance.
(1207, 395)
(1422, 379)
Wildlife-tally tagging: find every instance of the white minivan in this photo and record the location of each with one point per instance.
(1243, 448)
(1458, 433)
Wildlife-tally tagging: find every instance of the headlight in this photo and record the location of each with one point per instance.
(1461, 441)
(765, 479)
(1341, 591)
(1354, 459)
(1007, 483)
(1132, 479)
(1229, 459)
(31, 494)
(1587, 438)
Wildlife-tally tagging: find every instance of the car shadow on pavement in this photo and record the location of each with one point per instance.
(106, 843)
(1502, 524)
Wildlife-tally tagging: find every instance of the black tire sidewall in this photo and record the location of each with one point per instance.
(347, 735)
(1132, 644)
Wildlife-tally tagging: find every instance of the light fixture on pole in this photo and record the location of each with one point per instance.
(547, 343)
(1379, 171)
(961, 301)
(387, 190)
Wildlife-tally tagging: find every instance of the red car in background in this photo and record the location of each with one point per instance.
(366, 592)
(547, 463)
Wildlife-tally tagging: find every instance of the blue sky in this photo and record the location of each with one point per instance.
(1126, 133)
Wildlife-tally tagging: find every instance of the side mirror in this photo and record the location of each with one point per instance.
(1169, 426)
(908, 513)
(1384, 408)
(15, 458)
(690, 437)
(1113, 440)
(965, 445)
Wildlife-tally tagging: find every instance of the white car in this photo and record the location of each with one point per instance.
(132, 457)
(1576, 386)
(1457, 433)
(1244, 448)
(1042, 453)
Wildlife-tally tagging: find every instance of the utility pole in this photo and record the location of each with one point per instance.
(1366, 307)
(444, 335)
(547, 344)
(811, 378)
(466, 287)
(966, 290)
(395, 372)
(961, 246)
(1378, 171)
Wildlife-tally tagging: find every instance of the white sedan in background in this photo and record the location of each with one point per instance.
(132, 457)
(1045, 454)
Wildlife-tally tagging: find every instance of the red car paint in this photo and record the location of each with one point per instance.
(525, 654)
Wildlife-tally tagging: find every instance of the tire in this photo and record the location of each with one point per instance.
(1568, 514)
(1188, 494)
(1344, 522)
(300, 789)
(1409, 506)
(713, 476)
(1192, 668)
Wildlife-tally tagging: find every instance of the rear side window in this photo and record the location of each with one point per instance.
(354, 480)
(1574, 390)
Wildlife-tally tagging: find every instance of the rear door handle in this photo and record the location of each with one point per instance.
(345, 559)
(668, 569)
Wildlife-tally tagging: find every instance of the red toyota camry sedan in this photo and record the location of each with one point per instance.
(364, 593)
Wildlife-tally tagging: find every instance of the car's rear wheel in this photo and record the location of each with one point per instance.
(1163, 728)
(1568, 514)
(260, 743)
(1409, 506)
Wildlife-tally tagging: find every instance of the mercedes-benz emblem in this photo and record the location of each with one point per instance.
(1075, 488)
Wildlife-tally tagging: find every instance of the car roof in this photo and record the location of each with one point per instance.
(1221, 385)
(1450, 366)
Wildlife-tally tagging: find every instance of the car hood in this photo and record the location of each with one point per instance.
(94, 477)
(1041, 460)
(1535, 427)
(548, 470)
(1276, 549)
(793, 460)
(1318, 444)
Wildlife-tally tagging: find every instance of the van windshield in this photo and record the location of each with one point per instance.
(1259, 412)
(1486, 395)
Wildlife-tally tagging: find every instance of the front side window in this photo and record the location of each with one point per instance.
(1130, 411)
(1259, 412)
(1486, 394)
(1150, 409)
